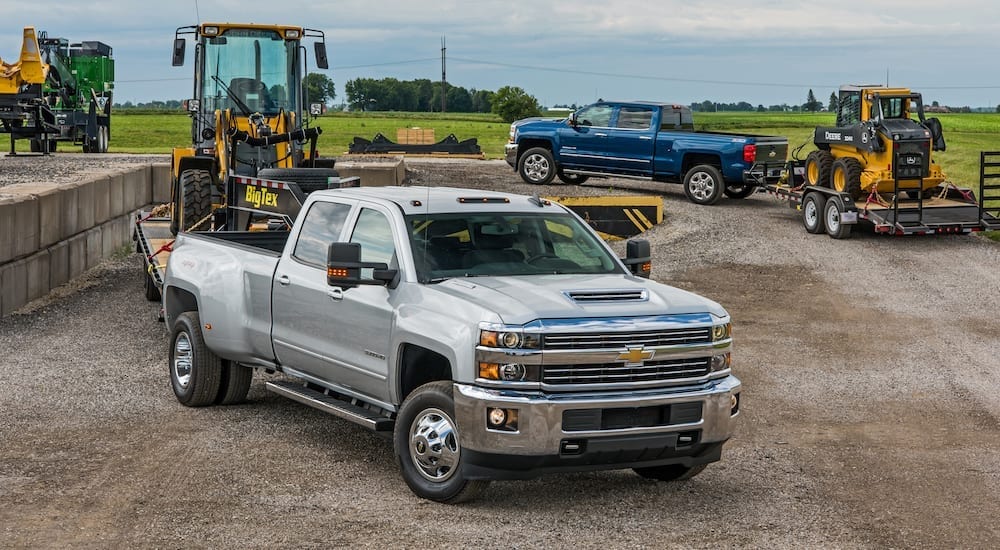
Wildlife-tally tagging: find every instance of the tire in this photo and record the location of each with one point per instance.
(195, 372)
(152, 293)
(818, 166)
(536, 166)
(103, 136)
(308, 179)
(671, 472)
(740, 191)
(571, 179)
(846, 177)
(812, 212)
(195, 197)
(425, 414)
(832, 213)
(235, 383)
(703, 184)
(35, 145)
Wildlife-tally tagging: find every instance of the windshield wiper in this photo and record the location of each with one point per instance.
(232, 95)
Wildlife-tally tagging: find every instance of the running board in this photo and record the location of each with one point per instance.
(332, 405)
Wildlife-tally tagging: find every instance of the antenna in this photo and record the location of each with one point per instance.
(197, 13)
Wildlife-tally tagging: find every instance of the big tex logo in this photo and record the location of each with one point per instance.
(259, 196)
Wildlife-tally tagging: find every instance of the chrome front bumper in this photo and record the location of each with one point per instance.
(540, 430)
(510, 154)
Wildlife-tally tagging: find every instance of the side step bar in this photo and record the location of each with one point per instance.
(336, 407)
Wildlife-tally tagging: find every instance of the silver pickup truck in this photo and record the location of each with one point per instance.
(495, 336)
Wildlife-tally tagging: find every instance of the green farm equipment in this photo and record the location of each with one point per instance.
(58, 91)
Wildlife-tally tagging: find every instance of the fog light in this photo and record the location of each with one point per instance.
(512, 372)
(496, 417)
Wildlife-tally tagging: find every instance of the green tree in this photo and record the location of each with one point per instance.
(834, 103)
(319, 88)
(513, 103)
(811, 104)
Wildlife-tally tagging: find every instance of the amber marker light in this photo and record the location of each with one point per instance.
(489, 371)
(336, 272)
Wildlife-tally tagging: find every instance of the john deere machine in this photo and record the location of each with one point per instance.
(248, 118)
(58, 91)
(876, 166)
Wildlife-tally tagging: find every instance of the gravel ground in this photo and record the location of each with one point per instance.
(870, 413)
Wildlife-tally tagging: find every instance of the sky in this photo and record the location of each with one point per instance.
(564, 52)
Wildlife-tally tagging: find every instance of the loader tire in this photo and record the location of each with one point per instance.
(195, 198)
(818, 166)
(846, 177)
(308, 179)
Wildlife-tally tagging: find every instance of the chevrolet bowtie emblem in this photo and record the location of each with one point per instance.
(635, 356)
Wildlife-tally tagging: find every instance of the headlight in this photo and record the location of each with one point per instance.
(721, 362)
(509, 339)
(722, 332)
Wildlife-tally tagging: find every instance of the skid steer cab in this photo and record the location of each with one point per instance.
(249, 117)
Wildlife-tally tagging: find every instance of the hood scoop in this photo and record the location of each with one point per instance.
(604, 296)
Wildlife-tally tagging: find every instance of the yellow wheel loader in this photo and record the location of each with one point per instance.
(876, 125)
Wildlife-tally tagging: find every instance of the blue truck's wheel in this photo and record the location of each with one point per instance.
(536, 166)
(572, 179)
(740, 190)
(703, 184)
(195, 372)
(428, 446)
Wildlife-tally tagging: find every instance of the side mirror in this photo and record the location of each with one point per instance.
(637, 257)
(180, 45)
(572, 120)
(315, 109)
(321, 60)
(344, 265)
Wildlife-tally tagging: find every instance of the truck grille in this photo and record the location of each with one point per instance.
(619, 373)
(623, 340)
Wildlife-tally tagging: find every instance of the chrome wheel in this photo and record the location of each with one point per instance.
(536, 167)
(183, 357)
(702, 186)
(832, 218)
(434, 446)
(811, 214)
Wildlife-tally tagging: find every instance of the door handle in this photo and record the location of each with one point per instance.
(599, 134)
(283, 280)
(335, 294)
(646, 137)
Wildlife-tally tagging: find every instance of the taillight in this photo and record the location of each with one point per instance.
(749, 153)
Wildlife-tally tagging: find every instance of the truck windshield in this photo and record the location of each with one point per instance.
(462, 245)
(257, 65)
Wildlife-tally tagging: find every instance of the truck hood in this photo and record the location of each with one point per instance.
(519, 300)
(535, 124)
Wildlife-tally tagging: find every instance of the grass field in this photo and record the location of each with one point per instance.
(966, 134)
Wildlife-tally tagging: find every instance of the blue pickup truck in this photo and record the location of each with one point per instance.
(644, 140)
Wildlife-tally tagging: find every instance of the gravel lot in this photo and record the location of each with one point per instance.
(870, 412)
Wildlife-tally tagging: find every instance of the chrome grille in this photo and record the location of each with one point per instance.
(618, 373)
(623, 340)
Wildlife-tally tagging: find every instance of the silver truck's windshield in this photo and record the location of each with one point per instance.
(256, 65)
(459, 245)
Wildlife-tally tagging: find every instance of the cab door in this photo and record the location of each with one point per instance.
(631, 140)
(584, 145)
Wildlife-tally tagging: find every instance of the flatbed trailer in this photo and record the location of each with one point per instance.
(946, 210)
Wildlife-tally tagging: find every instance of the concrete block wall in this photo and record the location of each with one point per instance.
(51, 234)
(374, 171)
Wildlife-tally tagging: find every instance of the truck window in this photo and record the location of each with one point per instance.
(321, 226)
(595, 115)
(635, 118)
(374, 233)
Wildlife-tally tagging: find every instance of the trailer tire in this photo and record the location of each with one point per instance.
(818, 166)
(703, 184)
(195, 372)
(846, 177)
(195, 197)
(812, 212)
(832, 214)
(670, 472)
(428, 447)
(152, 293)
(308, 179)
(536, 166)
(740, 190)
(235, 383)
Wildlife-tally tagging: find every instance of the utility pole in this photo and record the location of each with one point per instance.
(444, 79)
